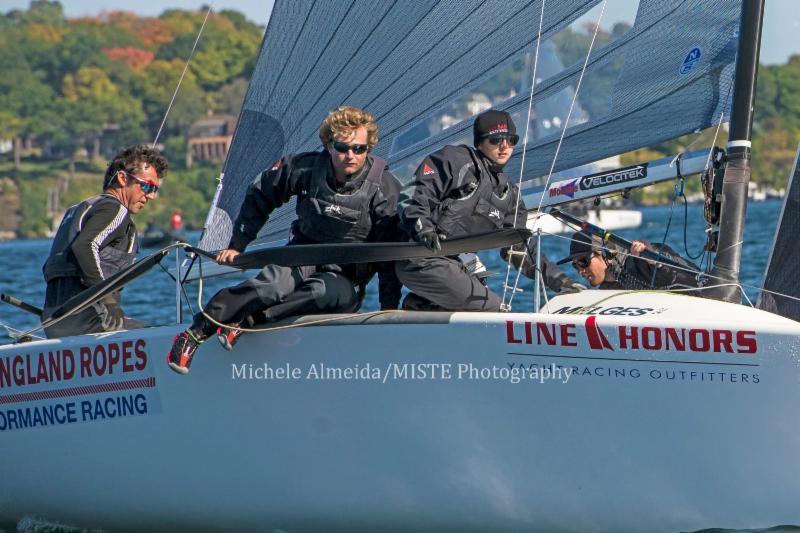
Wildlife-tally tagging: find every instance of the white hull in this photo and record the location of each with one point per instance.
(609, 219)
(619, 446)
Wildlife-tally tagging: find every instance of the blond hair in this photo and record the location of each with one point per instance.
(344, 121)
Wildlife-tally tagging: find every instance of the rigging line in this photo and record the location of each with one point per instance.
(567, 73)
(556, 85)
(789, 296)
(572, 104)
(719, 125)
(685, 234)
(666, 234)
(519, 273)
(546, 298)
(593, 125)
(181, 283)
(706, 287)
(744, 293)
(679, 179)
(16, 334)
(522, 166)
(539, 270)
(185, 68)
(457, 92)
(704, 251)
(566, 124)
(705, 169)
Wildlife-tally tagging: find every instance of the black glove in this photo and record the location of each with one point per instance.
(111, 315)
(430, 239)
(570, 286)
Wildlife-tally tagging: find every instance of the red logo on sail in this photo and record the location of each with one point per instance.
(597, 339)
(568, 189)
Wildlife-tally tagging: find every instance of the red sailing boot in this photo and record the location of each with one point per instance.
(228, 336)
(180, 354)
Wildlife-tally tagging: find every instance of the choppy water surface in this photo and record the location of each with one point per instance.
(152, 298)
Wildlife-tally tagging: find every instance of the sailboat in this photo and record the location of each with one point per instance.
(601, 410)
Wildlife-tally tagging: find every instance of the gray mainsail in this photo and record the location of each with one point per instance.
(405, 61)
(781, 275)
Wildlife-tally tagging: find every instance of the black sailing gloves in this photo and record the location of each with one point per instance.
(568, 285)
(430, 239)
(112, 317)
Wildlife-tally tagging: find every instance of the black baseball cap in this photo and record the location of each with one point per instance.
(582, 244)
(493, 123)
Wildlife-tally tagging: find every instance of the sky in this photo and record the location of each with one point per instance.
(778, 42)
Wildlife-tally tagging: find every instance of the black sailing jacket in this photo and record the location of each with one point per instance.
(362, 209)
(456, 193)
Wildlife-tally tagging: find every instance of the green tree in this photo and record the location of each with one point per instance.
(45, 12)
(25, 101)
(92, 104)
(155, 86)
(230, 97)
(774, 148)
(223, 53)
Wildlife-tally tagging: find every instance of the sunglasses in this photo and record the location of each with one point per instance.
(148, 187)
(582, 262)
(512, 140)
(343, 148)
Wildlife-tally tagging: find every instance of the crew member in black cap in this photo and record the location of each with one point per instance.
(606, 267)
(461, 190)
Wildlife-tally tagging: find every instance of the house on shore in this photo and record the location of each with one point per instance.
(210, 139)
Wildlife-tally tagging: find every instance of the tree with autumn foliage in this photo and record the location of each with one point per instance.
(74, 90)
(91, 84)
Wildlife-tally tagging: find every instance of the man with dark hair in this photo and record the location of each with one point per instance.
(461, 190)
(97, 239)
(344, 194)
(607, 267)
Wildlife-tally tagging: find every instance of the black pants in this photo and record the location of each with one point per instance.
(279, 292)
(90, 320)
(446, 282)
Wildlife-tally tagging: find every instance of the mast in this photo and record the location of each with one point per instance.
(737, 172)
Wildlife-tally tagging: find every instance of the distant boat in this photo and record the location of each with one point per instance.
(756, 193)
(155, 237)
(610, 219)
(773, 194)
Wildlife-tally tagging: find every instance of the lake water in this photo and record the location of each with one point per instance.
(152, 297)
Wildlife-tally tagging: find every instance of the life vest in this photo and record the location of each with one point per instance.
(475, 204)
(176, 221)
(62, 262)
(633, 273)
(325, 216)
